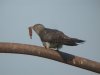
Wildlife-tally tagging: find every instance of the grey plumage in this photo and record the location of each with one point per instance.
(52, 38)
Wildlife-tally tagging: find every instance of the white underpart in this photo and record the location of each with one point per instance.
(46, 44)
(49, 45)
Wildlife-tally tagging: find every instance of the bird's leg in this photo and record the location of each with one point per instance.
(57, 49)
(46, 45)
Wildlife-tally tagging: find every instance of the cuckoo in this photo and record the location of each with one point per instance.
(52, 38)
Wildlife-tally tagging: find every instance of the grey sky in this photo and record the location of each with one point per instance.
(76, 18)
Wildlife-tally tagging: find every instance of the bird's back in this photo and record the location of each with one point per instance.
(51, 35)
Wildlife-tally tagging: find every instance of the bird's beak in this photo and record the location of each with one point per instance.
(30, 32)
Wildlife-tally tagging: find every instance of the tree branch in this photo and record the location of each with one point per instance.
(50, 54)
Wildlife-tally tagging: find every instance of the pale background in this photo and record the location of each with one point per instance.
(76, 18)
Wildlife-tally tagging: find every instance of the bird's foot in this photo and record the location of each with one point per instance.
(46, 47)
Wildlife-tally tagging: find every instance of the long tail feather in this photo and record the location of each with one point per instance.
(70, 42)
(77, 40)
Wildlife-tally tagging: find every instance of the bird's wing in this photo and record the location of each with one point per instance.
(53, 35)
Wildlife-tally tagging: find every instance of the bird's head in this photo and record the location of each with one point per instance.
(38, 28)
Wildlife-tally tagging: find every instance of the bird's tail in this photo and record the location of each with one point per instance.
(73, 41)
(77, 40)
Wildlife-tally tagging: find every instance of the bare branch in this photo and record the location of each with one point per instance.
(50, 54)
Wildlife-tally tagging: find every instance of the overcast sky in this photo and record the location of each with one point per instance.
(76, 18)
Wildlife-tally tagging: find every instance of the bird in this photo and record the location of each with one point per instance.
(53, 38)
